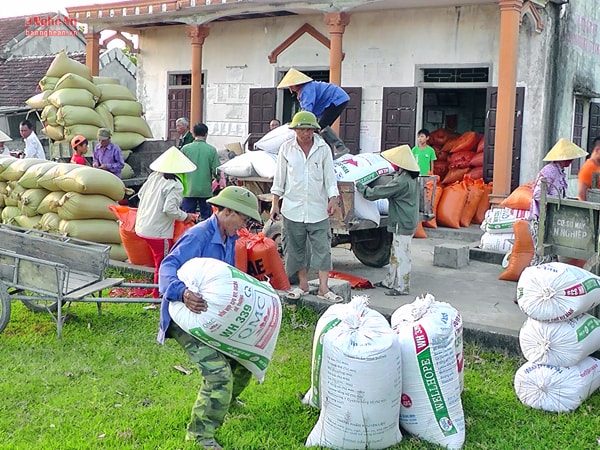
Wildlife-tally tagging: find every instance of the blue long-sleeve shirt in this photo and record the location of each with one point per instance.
(201, 241)
(315, 96)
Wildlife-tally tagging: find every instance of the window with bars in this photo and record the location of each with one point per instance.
(456, 75)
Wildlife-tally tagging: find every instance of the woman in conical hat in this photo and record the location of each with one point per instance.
(160, 204)
(402, 191)
(559, 157)
(4, 138)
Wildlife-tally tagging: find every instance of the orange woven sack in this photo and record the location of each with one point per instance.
(180, 228)
(455, 175)
(449, 145)
(484, 204)
(136, 248)
(466, 142)
(263, 260)
(420, 233)
(477, 160)
(476, 172)
(481, 145)
(451, 205)
(521, 254)
(520, 198)
(475, 192)
(432, 223)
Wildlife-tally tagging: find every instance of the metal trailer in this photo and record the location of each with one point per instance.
(370, 243)
(48, 272)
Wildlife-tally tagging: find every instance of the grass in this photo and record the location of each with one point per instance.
(109, 385)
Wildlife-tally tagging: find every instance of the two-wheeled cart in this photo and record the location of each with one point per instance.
(48, 272)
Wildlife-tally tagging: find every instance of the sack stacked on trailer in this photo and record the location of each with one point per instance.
(558, 337)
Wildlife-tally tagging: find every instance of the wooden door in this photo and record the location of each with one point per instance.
(593, 125)
(490, 136)
(398, 117)
(577, 134)
(262, 104)
(350, 120)
(179, 105)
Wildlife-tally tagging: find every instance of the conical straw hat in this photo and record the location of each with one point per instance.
(173, 161)
(564, 150)
(403, 157)
(293, 78)
(4, 137)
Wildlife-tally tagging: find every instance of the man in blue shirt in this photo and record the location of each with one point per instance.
(325, 100)
(223, 378)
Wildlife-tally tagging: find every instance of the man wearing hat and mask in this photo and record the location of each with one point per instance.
(107, 156)
(160, 200)
(223, 378)
(305, 180)
(4, 151)
(559, 157)
(325, 100)
(402, 191)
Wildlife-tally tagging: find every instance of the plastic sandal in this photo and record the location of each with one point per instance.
(296, 294)
(331, 297)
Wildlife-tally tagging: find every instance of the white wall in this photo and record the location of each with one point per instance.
(381, 49)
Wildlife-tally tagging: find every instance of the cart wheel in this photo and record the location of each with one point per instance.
(593, 264)
(41, 305)
(4, 307)
(372, 247)
(273, 230)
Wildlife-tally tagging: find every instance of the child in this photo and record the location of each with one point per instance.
(402, 191)
(79, 144)
(424, 154)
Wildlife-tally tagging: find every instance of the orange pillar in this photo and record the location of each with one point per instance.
(196, 34)
(510, 16)
(92, 52)
(336, 24)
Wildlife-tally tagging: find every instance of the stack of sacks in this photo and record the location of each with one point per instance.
(66, 199)
(431, 343)
(498, 228)
(356, 379)
(460, 202)
(128, 126)
(457, 154)
(558, 337)
(364, 168)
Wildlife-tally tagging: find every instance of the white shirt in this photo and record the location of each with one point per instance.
(33, 147)
(158, 210)
(305, 183)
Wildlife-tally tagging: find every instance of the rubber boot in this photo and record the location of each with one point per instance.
(337, 145)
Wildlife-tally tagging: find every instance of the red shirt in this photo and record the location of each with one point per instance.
(78, 159)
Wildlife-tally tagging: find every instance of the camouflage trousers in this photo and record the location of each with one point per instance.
(223, 380)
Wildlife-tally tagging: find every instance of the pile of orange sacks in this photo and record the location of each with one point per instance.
(457, 154)
(458, 205)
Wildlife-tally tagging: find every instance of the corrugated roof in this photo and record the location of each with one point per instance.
(19, 77)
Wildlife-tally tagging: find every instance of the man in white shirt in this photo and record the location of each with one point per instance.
(33, 146)
(305, 180)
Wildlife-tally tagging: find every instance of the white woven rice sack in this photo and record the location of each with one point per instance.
(497, 242)
(240, 166)
(271, 141)
(364, 167)
(556, 291)
(366, 209)
(263, 163)
(356, 379)
(564, 343)
(431, 406)
(243, 316)
(383, 205)
(501, 220)
(555, 388)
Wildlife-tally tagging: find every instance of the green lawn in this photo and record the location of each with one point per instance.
(109, 385)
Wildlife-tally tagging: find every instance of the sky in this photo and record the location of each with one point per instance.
(12, 8)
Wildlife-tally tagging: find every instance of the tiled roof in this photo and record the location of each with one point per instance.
(10, 28)
(19, 77)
